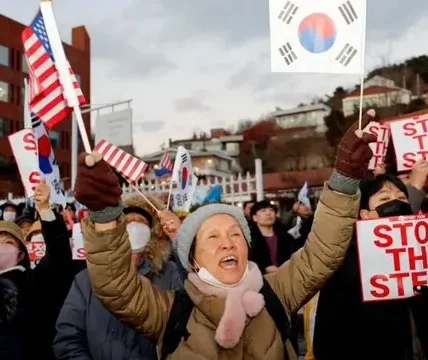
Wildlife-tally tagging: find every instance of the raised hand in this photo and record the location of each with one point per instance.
(42, 195)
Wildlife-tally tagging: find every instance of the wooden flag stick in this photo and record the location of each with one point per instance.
(144, 197)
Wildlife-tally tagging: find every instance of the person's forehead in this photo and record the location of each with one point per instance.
(136, 217)
(388, 188)
(5, 237)
(9, 207)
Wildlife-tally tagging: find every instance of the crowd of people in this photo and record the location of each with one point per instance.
(224, 283)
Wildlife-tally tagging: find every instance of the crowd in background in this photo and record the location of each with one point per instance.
(224, 283)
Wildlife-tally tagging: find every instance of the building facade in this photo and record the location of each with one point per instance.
(219, 141)
(209, 164)
(303, 116)
(378, 92)
(13, 71)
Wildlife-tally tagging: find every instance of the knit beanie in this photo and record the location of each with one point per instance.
(190, 226)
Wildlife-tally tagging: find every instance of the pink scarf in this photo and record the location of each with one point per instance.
(241, 301)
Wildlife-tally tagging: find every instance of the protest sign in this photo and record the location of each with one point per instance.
(410, 141)
(36, 251)
(393, 254)
(24, 148)
(380, 147)
(77, 248)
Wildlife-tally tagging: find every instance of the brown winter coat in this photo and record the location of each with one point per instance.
(133, 299)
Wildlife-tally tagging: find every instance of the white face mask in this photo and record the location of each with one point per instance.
(38, 237)
(139, 235)
(9, 216)
(209, 278)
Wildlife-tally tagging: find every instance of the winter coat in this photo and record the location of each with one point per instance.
(260, 251)
(87, 330)
(136, 301)
(348, 328)
(30, 300)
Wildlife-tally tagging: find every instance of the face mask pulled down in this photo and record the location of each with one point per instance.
(139, 235)
(209, 278)
(394, 208)
(8, 256)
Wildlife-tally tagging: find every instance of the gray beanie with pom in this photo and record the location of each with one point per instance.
(187, 232)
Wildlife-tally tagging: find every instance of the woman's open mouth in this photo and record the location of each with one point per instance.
(228, 262)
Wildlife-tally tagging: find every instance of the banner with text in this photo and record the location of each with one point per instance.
(380, 147)
(76, 243)
(410, 141)
(393, 256)
(24, 148)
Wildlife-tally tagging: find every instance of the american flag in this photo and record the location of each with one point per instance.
(165, 167)
(47, 98)
(131, 168)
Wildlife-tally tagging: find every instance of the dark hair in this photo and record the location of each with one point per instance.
(71, 207)
(370, 187)
(247, 203)
(264, 204)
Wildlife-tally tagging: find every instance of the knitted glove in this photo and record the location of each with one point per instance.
(353, 157)
(98, 188)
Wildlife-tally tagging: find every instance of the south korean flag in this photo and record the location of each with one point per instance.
(317, 36)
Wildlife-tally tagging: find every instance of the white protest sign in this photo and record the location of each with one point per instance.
(77, 248)
(393, 255)
(410, 141)
(380, 147)
(24, 148)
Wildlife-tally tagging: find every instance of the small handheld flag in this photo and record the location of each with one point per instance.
(165, 166)
(131, 168)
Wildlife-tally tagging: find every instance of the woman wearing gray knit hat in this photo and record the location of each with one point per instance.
(230, 316)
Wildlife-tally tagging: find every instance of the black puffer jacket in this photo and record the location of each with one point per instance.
(30, 300)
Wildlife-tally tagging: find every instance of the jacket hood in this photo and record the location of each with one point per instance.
(158, 249)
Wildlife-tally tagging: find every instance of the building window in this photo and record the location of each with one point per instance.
(55, 137)
(24, 65)
(5, 165)
(4, 128)
(4, 55)
(4, 91)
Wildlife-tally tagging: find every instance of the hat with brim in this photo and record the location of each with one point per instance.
(13, 229)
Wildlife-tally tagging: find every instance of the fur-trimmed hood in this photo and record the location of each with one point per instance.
(158, 248)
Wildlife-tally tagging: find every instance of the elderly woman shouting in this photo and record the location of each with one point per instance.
(230, 316)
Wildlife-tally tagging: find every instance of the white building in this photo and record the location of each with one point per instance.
(303, 116)
(378, 92)
(219, 141)
(205, 163)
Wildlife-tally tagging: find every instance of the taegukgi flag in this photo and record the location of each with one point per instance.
(317, 36)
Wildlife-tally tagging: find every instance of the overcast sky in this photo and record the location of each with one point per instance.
(198, 64)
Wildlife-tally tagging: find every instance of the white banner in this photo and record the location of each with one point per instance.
(410, 141)
(24, 148)
(380, 147)
(317, 36)
(393, 256)
(76, 241)
(115, 127)
(185, 181)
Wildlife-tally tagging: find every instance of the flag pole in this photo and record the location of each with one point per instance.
(363, 64)
(62, 66)
(74, 150)
(144, 196)
(27, 112)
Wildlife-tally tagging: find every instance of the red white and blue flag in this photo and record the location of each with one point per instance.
(48, 165)
(47, 100)
(131, 168)
(165, 167)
